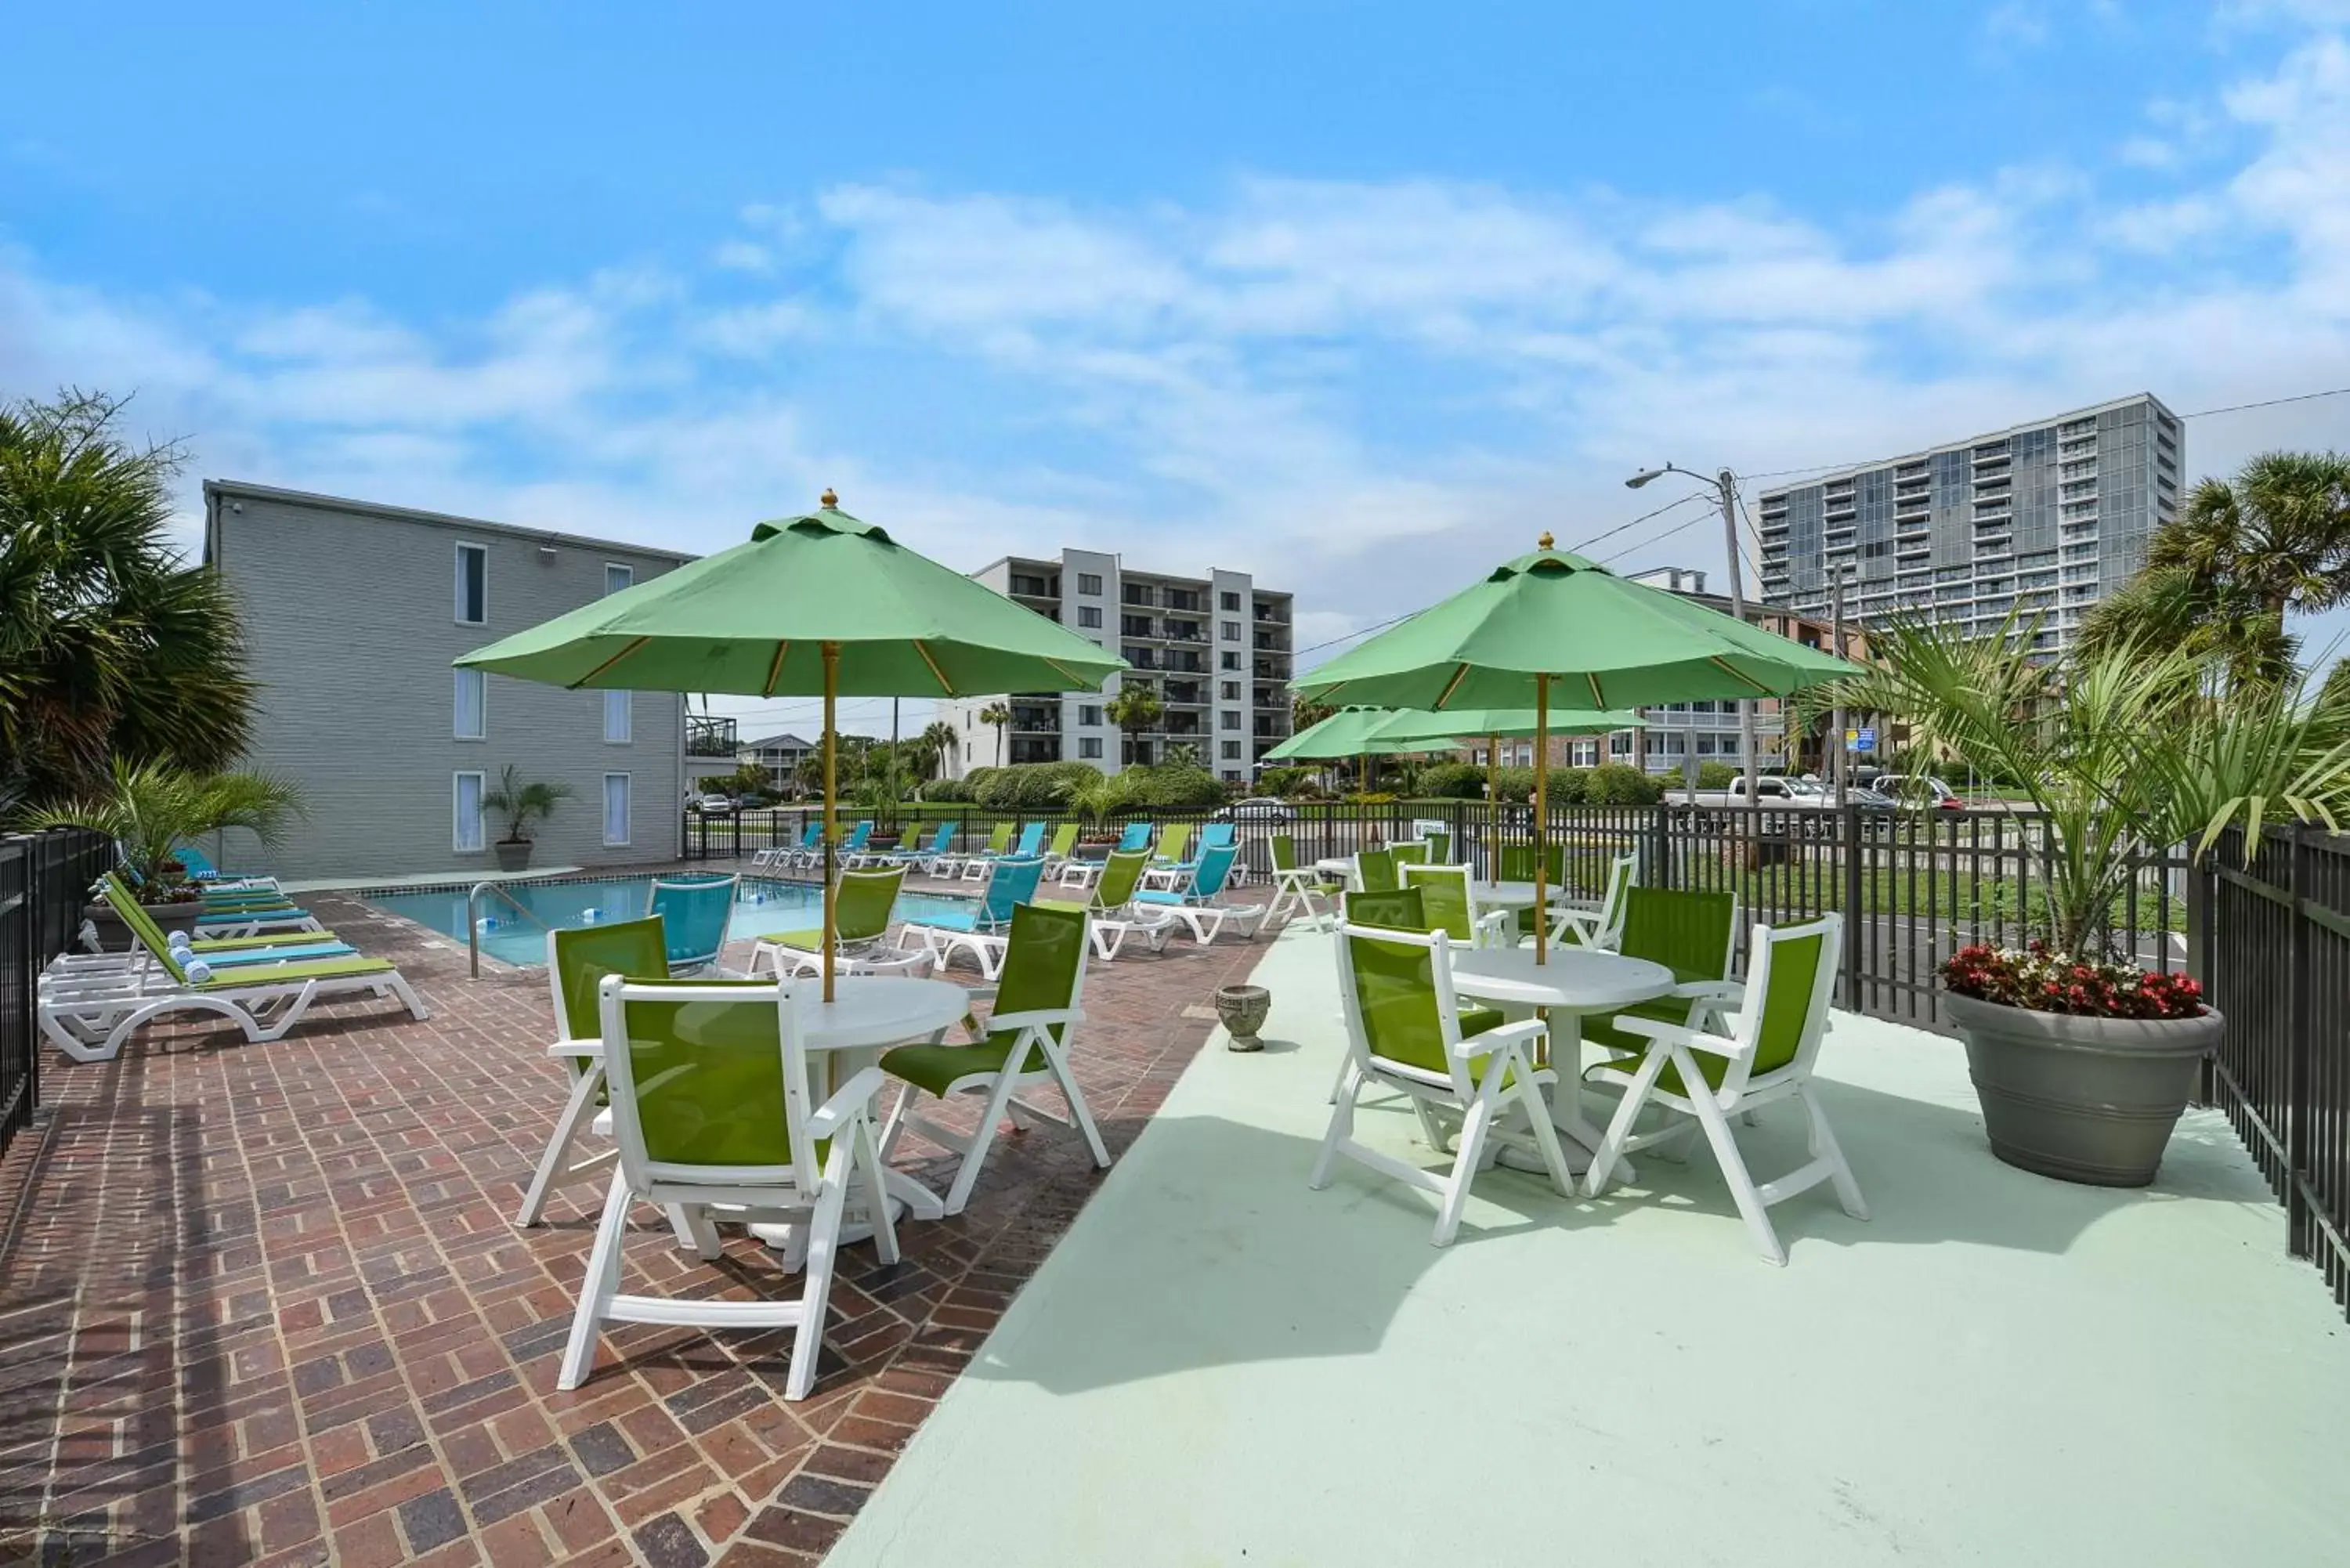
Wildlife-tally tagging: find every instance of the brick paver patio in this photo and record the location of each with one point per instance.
(267, 1302)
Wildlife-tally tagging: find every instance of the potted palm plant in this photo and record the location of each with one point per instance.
(2082, 1060)
(153, 808)
(525, 802)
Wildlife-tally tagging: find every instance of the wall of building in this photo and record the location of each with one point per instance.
(351, 618)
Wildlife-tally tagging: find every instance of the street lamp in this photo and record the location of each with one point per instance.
(1725, 488)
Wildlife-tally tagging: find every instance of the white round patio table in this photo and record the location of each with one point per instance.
(1575, 980)
(867, 1014)
(1506, 895)
(1336, 865)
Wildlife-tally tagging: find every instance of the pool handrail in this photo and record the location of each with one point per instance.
(474, 921)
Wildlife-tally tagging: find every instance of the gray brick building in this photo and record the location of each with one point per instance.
(352, 613)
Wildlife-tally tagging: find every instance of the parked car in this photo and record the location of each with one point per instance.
(713, 805)
(1915, 791)
(1257, 808)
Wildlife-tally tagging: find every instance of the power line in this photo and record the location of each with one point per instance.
(1643, 517)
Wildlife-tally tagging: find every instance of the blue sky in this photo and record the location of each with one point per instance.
(1357, 296)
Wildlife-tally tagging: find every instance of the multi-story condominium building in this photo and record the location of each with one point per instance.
(353, 613)
(2045, 519)
(1217, 650)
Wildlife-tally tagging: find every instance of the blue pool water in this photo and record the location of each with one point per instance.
(761, 907)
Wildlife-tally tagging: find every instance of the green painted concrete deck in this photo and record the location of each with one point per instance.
(1220, 1367)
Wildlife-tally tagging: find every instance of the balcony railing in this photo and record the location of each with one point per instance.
(706, 736)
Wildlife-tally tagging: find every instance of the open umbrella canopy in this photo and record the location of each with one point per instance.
(1469, 724)
(1602, 640)
(1349, 732)
(753, 620)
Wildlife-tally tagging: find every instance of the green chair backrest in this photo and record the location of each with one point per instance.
(577, 961)
(1518, 864)
(706, 1072)
(998, 838)
(1375, 869)
(1395, 908)
(143, 926)
(861, 910)
(1284, 852)
(1065, 840)
(1122, 874)
(1788, 980)
(1043, 961)
(1444, 894)
(1411, 852)
(1395, 996)
(1689, 933)
(1440, 847)
(1174, 841)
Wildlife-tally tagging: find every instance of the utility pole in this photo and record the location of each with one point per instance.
(1727, 483)
(1842, 763)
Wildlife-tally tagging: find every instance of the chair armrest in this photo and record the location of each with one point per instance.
(1712, 990)
(584, 1050)
(1035, 1018)
(847, 1101)
(1676, 1035)
(1508, 1033)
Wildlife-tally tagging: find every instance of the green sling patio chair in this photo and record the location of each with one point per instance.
(1598, 924)
(1695, 935)
(1374, 871)
(1729, 1064)
(1404, 909)
(576, 962)
(861, 919)
(1411, 852)
(1404, 1033)
(1451, 907)
(1296, 886)
(710, 1100)
(1112, 915)
(1064, 845)
(1518, 865)
(1440, 847)
(973, 865)
(1026, 1044)
(1173, 843)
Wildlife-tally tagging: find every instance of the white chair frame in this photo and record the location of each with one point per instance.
(1599, 925)
(90, 1015)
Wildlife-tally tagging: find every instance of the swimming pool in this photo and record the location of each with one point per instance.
(761, 907)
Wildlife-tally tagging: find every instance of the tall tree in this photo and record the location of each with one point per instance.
(111, 647)
(998, 715)
(934, 746)
(2242, 555)
(1134, 709)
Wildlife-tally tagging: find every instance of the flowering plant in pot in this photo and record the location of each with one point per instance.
(2082, 1060)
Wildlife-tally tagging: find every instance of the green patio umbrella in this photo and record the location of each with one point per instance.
(1421, 723)
(1554, 629)
(821, 605)
(1349, 732)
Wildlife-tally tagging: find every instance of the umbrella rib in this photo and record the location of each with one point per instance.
(1729, 668)
(946, 686)
(1452, 685)
(1596, 700)
(776, 667)
(608, 664)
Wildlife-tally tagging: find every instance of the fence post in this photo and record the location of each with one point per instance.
(2298, 1047)
(1848, 828)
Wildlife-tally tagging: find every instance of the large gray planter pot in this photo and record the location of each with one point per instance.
(2090, 1100)
(114, 936)
(513, 854)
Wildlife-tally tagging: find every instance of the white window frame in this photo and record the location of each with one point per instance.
(1090, 748)
(629, 789)
(626, 710)
(457, 812)
(480, 681)
(627, 577)
(457, 586)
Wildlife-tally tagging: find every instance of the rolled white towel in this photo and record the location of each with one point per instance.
(197, 970)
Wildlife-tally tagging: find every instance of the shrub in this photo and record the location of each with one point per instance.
(949, 792)
(1283, 781)
(2047, 982)
(1617, 784)
(1453, 781)
(1515, 783)
(1171, 786)
(1570, 786)
(1715, 775)
(1033, 786)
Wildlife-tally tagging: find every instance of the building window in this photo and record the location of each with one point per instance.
(617, 577)
(616, 810)
(472, 705)
(1232, 750)
(473, 585)
(1230, 721)
(1231, 691)
(617, 713)
(1089, 583)
(1089, 747)
(1231, 631)
(1089, 714)
(1090, 615)
(1231, 661)
(467, 837)
(1229, 601)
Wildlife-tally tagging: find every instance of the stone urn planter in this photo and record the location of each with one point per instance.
(180, 915)
(2081, 1099)
(513, 854)
(1242, 1009)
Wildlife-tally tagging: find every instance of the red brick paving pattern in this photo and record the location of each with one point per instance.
(266, 1303)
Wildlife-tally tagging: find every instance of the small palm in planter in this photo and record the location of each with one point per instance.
(525, 803)
(150, 810)
(2080, 1060)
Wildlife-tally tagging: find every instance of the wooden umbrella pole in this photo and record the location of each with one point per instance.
(1541, 817)
(1493, 809)
(831, 819)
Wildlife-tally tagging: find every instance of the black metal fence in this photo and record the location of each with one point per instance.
(2275, 956)
(44, 882)
(1914, 886)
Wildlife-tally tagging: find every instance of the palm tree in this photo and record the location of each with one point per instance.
(110, 646)
(152, 809)
(2222, 575)
(934, 746)
(1134, 709)
(525, 801)
(998, 715)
